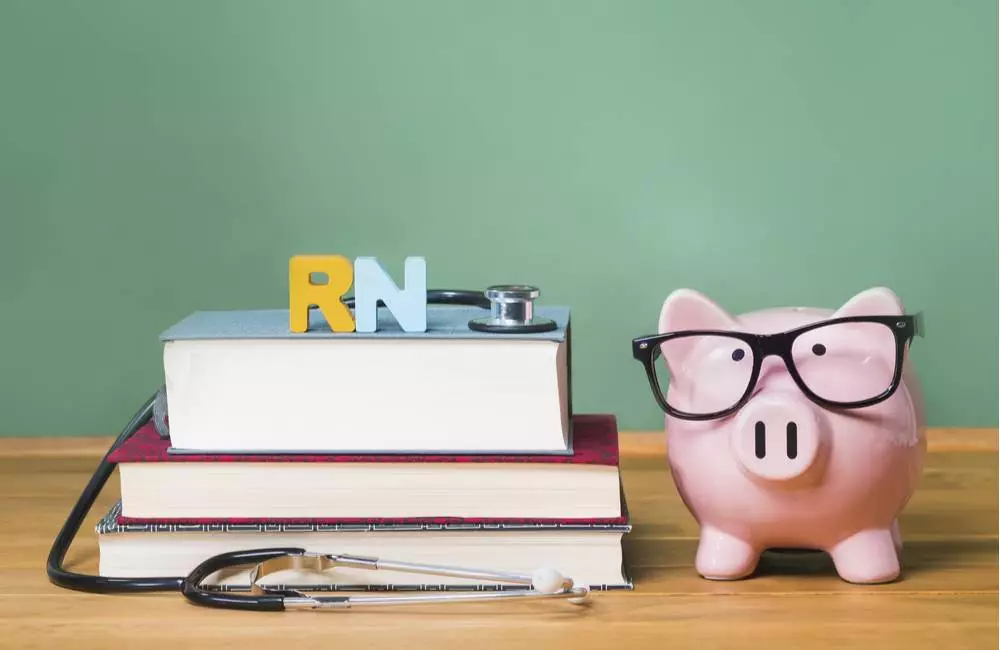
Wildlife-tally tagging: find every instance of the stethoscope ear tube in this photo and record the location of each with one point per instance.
(260, 602)
(544, 584)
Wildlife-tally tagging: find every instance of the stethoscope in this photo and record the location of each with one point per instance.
(511, 311)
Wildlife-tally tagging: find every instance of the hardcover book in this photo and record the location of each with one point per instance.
(590, 553)
(585, 485)
(242, 382)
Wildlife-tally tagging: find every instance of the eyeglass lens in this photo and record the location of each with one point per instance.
(704, 374)
(846, 362)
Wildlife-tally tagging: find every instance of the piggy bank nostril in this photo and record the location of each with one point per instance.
(792, 440)
(760, 439)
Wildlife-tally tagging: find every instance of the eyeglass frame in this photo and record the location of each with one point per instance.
(647, 350)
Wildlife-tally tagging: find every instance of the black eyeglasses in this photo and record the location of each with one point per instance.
(840, 363)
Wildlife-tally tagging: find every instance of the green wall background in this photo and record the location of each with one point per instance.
(162, 157)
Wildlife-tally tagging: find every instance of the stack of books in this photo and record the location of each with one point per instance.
(448, 447)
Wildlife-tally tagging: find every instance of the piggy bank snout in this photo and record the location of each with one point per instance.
(777, 437)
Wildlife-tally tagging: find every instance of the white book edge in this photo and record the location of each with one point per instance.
(592, 558)
(369, 490)
(368, 395)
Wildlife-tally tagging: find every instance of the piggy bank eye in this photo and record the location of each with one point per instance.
(738, 354)
(819, 349)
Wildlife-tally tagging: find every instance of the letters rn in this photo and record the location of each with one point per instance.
(371, 284)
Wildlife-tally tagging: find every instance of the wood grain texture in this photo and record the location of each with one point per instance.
(947, 596)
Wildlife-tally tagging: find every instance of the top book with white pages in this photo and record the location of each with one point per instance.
(242, 382)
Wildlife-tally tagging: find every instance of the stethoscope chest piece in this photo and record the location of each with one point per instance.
(512, 311)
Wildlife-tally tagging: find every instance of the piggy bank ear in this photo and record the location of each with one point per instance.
(685, 309)
(878, 301)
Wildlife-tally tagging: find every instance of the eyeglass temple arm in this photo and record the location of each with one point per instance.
(919, 328)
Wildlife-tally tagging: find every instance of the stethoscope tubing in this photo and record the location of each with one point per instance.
(191, 585)
(62, 577)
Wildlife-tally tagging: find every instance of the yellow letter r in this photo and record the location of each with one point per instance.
(303, 293)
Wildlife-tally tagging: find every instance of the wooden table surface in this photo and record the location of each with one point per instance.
(947, 597)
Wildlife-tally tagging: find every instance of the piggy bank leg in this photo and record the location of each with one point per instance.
(722, 556)
(897, 539)
(867, 557)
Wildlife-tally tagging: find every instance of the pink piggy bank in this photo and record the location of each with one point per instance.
(791, 428)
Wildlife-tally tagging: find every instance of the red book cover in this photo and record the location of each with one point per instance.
(595, 442)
